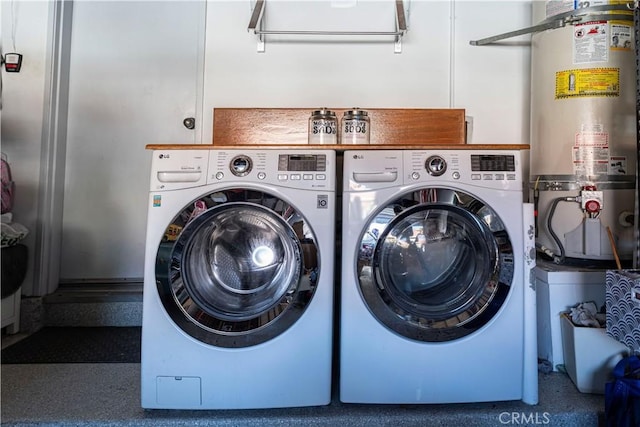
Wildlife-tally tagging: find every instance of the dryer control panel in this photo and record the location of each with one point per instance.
(487, 168)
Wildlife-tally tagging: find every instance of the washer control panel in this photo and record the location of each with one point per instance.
(290, 168)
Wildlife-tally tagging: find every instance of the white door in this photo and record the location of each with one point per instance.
(135, 75)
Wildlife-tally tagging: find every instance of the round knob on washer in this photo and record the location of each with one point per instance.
(435, 165)
(241, 165)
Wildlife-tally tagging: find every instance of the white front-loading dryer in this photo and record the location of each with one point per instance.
(436, 303)
(238, 282)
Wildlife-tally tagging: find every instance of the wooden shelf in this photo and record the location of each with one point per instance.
(286, 128)
(289, 126)
(337, 147)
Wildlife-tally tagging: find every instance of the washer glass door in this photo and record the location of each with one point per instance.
(237, 267)
(435, 265)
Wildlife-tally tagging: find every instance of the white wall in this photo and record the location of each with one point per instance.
(22, 109)
(297, 72)
(492, 82)
(436, 69)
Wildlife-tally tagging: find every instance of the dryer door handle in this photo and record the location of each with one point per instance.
(389, 176)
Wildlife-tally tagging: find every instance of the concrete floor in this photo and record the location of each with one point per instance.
(109, 395)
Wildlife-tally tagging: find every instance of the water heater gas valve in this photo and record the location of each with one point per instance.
(592, 200)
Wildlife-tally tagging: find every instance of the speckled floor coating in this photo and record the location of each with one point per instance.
(109, 395)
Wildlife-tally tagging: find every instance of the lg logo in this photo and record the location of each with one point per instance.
(163, 156)
(358, 156)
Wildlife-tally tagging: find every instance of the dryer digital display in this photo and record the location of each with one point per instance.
(492, 163)
(302, 163)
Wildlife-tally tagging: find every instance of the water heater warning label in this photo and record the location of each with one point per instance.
(588, 82)
(591, 153)
(618, 165)
(590, 42)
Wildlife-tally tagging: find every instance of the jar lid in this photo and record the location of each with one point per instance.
(323, 112)
(356, 112)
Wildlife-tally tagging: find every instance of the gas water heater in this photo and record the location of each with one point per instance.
(583, 130)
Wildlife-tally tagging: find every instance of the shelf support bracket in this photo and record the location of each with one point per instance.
(255, 27)
(256, 21)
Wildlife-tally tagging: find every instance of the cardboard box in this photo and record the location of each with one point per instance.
(589, 355)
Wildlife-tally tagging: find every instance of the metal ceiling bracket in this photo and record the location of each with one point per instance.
(255, 21)
(401, 26)
(255, 26)
(572, 17)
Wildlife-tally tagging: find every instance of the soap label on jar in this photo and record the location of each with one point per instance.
(324, 126)
(323, 131)
(355, 132)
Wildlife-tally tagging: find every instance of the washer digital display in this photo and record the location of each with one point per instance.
(302, 162)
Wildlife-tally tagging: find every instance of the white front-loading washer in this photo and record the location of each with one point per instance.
(238, 280)
(437, 304)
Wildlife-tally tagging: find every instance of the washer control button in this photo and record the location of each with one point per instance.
(262, 175)
(415, 175)
(456, 175)
(219, 175)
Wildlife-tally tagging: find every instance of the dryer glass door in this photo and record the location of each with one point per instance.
(435, 270)
(237, 268)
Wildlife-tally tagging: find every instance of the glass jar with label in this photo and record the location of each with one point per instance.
(355, 127)
(323, 127)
